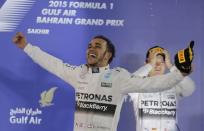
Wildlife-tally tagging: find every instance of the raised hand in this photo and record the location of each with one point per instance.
(167, 59)
(184, 58)
(153, 58)
(20, 40)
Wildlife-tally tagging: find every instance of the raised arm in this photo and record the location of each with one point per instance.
(185, 88)
(134, 83)
(47, 61)
(163, 82)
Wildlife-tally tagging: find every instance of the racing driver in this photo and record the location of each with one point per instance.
(157, 111)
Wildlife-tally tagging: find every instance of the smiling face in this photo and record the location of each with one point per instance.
(97, 53)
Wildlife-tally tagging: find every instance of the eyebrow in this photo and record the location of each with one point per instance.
(98, 44)
(95, 43)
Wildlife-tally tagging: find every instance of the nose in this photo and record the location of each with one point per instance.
(158, 64)
(91, 49)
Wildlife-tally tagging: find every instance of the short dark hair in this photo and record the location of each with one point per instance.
(110, 46)
(148, 52)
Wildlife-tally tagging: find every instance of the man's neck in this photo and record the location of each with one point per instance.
(97, 65)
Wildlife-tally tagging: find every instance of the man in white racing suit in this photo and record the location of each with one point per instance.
(157, 111)
(99, 90)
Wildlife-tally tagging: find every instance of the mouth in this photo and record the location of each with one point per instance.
(91, 58)
(92, 55)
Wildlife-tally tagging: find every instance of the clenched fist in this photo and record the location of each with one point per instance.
(20, 40)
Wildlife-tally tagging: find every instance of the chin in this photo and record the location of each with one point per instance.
(92, 63)
(157, 73)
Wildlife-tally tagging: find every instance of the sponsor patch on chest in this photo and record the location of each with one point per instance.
(105, 84)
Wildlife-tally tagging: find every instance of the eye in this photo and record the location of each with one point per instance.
(89, 46)
(98, 46)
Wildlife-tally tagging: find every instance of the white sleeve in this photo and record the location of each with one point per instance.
(185, 88)
(52, 64)
(143, 71)
(149, 84)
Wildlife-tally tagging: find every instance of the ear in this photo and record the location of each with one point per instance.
(108, 55)
(147, 61)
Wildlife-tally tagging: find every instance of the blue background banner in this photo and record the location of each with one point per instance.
(64, 28)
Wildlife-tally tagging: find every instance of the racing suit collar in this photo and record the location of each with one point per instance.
(97, 69)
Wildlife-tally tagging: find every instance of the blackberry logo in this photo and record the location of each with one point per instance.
(12, 12)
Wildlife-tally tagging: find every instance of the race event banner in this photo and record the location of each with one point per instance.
(32, 99)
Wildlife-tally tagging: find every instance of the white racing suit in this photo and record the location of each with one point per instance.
(99, 91)
(157, 111)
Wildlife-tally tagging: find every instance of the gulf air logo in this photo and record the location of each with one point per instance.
(46, 97)
(12, 13)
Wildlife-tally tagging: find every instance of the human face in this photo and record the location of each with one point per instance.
(160, 66)
(97, 54)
